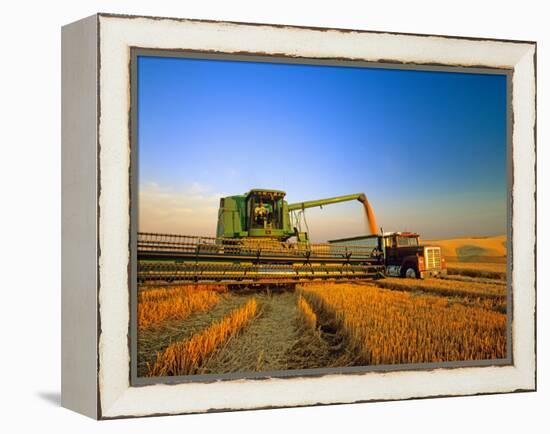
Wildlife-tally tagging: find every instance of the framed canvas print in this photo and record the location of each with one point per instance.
(261, 216)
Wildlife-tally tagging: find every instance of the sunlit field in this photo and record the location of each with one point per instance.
(207, 329)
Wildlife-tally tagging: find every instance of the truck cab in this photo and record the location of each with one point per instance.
(406, 257)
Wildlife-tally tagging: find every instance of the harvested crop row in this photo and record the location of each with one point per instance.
(155, 306)
(445, 287)
(485, 295)
(163, 292)
(185, 357)
(390, 327)
(474, 269)
(306, 313)
(483, 280)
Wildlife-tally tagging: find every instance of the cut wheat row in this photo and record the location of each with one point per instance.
(307, 315)
(390, 327)
(157, 293)
(185, 357)
(486, 295)
(176, 303)
(473, 269)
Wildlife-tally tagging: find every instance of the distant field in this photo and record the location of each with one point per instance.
(473, 249)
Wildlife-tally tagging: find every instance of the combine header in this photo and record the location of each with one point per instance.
(252, 246)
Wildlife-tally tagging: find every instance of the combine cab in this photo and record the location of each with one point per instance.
(253, 246)
(403, 254)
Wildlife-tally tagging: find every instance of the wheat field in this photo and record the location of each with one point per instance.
(492, 249)
(389, 327)
(308, 317)
(185, 357)
(492, 295)
(206, 329)
(161, 304)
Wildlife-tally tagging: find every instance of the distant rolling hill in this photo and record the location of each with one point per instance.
(473, 249)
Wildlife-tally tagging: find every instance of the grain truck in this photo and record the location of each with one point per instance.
(404, 255)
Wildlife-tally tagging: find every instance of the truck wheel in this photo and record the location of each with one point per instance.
(410, 273)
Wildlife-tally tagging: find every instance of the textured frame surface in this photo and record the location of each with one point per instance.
(117, 35)
(79, 241)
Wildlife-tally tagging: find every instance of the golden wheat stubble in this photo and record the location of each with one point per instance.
(392, 327)
(307, 314)
(158, 305)
(185, 357)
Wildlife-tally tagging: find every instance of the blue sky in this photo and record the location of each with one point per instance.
(427, 148)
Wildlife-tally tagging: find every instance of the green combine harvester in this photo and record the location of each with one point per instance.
(260, 239)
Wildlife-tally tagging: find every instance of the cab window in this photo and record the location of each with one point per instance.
(407, 241)
(264, 211)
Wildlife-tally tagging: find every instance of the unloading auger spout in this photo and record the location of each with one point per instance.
(361, 197)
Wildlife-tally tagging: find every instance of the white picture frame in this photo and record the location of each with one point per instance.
(96, 213)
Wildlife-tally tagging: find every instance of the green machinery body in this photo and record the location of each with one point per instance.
(237, 215)
(252, 245)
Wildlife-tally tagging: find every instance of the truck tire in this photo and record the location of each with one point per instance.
(410, 273)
